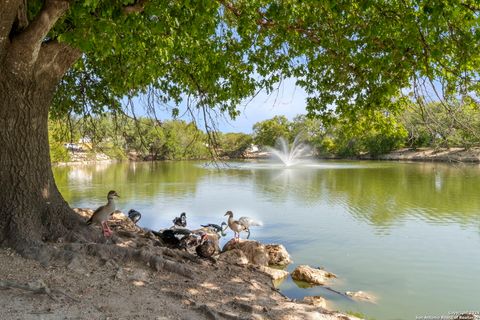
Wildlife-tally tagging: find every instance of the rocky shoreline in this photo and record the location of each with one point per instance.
(447, 155)
(152, 282)
(451, 155)
(83, 158)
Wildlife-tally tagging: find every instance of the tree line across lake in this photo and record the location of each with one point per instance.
(420, 125)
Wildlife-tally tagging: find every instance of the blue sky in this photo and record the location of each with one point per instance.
(288, 100)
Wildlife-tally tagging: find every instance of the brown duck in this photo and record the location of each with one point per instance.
(207, 248)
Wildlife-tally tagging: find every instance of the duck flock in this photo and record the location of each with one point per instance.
(178, 235)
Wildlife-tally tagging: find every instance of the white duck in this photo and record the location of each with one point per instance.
(242, 224)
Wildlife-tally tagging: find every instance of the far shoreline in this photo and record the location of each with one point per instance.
(442, 155)
(445, 155)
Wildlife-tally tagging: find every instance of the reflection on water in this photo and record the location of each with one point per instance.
(380, 193)
(409, 232)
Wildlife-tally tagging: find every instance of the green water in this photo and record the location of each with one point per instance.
(407, 232)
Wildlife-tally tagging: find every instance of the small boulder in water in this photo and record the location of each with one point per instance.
(467, 316)
(275, 274)
(362, 295)
(316, 301)
(311, 275)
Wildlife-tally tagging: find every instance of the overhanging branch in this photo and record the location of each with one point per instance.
(471, 6)
(26, 45)
(138, 6)
(54, 60)
(230, 7)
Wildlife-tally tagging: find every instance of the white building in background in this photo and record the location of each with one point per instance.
(74, 147)
(85, 140)
(253, 148)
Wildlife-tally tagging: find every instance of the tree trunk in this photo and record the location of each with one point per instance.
(31, 64)
(31, 208)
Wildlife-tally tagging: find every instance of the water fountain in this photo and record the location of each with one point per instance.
(290, 155)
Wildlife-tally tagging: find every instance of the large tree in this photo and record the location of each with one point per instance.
(267, 132)
(59, 56)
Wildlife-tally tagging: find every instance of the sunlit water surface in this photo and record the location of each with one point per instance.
(407, 232)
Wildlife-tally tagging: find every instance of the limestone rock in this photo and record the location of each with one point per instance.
(311, 275)
(277, 255)
(234, 256)
(118, 215)
(362, 295)
(467, 316)
(316, 301)
(84, 212)
(275, 274)
(253, 250)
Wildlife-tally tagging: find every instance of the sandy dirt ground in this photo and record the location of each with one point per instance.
(95, 287)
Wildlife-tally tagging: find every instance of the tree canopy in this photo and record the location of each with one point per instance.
(357, 60)
(350, 56)
(268, 131)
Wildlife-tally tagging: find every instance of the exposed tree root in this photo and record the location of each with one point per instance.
(37, 287)
(158, 258)
(207, 311)
(155, 260)
(210, 313)
(78, 240)
(46, 254)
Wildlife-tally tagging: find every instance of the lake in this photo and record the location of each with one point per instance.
(409, 233)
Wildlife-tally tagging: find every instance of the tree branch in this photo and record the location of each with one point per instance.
(470, 6)
(264, 22)
(54, 60)
(230, 7)
(22, 17)
(8, 13)
(26, 45)
(138, 6)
